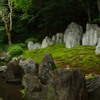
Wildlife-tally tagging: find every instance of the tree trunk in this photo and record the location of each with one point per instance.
(9, 37)
(8, 23)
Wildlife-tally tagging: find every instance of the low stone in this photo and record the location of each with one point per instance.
(14, 71)
(3, 68)
(47, 42)
(36, 46)
(30, 66)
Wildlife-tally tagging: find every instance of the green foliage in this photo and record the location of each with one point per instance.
(14, 50)
(23, 92)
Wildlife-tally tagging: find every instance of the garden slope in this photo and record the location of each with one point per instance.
(81, 57)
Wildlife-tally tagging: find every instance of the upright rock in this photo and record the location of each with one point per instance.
(46, 42)
(59, 38)
(73, 35)
(30, 45)
(46, 68)
(54, 38)
(91, 35)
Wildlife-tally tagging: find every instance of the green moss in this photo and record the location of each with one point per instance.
(83, 57)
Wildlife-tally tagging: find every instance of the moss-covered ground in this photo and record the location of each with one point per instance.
(82, 57)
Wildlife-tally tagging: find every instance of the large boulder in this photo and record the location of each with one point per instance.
(32, 87)
(98, 47)
(30, 66)
(47, 42)
(70, 84)
(73, 35)
(93, 87)
(91, 35)
(54, 38)
(46, 68)
(13, 72)
(66, 85)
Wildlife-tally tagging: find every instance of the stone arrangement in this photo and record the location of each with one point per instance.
(73, 36)
(46, 82)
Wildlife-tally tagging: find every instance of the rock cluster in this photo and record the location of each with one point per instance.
(73, 36)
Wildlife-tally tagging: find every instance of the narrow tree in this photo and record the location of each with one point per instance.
(7, 18)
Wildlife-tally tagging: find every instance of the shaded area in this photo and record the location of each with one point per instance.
(10, 91)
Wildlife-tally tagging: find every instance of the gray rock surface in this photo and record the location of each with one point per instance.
(30, 66)
(32, 87)
(46, 68)
(59, 38)
(13, 72)
(93, 87)
(70, 84)
(91, 35)
(98, 47)
(73, 35)
(3, 68)
(47, 42)
(30, 45)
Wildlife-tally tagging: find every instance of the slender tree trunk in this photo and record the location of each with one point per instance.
(8, 23)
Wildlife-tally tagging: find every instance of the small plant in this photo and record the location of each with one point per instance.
(23, 92)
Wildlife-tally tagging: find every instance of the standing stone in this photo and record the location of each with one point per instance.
(30, 67)
(59, 38)
(46, 68)
(73, 35)
(98, 47)
(30, 45)
(54, 38)
(46, 42)
(91, 35)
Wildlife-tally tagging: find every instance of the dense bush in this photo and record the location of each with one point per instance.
(15, 50)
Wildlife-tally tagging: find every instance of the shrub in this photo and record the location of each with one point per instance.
(15, 51)
(34, 40)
